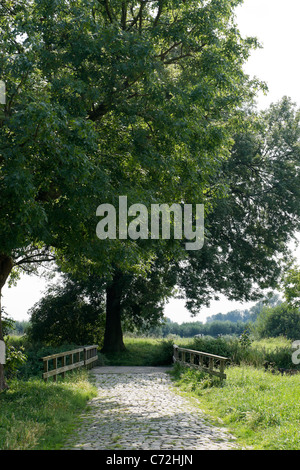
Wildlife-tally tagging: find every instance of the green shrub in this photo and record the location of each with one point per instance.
(15, 359)
(282, 320)
(244, 351)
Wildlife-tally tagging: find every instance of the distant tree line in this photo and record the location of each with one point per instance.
(232, 323)
(81, 319)
(189, 329)
(248, 315)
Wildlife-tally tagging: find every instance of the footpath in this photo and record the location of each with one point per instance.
(136, 409)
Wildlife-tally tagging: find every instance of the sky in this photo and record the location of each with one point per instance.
(276, 25)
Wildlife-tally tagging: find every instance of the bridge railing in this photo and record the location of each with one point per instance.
(210, 363)
(69, 360)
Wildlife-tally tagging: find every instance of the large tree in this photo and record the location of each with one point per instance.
(291, 286)
(248, 229)
(106, 98)
(73, 309)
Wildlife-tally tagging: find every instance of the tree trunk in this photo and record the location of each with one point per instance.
(113, 336)
(6, 265)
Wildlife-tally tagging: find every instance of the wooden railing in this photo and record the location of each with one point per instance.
(68, 360)
(210, 363)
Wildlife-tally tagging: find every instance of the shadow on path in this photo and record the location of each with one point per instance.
(136, 409)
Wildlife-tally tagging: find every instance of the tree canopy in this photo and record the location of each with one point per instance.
(106, 98)
(282, 320)
(248, 230)
(291, 286)
(146, 99)
(70, 312)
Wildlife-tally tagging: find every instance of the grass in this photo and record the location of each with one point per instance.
(272, 344)
(142, 352)
(37, 416)
(262, 410)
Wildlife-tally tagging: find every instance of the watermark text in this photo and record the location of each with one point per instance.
(163, 222)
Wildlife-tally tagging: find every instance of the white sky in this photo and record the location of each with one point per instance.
(276, 25)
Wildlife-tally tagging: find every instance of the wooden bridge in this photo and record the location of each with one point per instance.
(69, 360)
(210, 363)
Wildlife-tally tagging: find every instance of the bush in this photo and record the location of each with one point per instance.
(15, 358)
(68, 313)
(219, 346)
(33, 366)
(282, 320)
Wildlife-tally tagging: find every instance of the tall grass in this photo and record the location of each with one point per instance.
(36, 415)
(260, 408)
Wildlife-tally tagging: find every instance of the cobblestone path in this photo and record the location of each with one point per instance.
(136, 409)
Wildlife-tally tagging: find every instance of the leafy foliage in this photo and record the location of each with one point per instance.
(282, 320)
(248, 231)
(15, 359)
(70, 312)
(112, 98)
(291, 286)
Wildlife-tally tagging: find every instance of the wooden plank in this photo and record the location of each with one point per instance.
(63, 369)
(203, 353)
(55, 368)
(67, 353)
(63, 363)
(90, 360)
(94, 346)
(45, 367)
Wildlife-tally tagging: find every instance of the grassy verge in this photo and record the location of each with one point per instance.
(143, 352)
(37, 416)
(261, 409)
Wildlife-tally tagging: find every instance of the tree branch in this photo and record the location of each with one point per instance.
(160, 9)
(107, 9)
(103, 108)
(162, 55)
(138, 16)
(175, 59)
(33, 255)
(124, 15)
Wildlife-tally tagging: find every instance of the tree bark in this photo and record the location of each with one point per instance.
(6, 265)
(113, 336)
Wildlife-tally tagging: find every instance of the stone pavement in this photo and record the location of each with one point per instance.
(136, 409)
